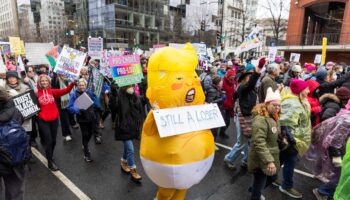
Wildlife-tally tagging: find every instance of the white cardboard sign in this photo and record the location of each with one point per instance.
(294, 57)
(69, 62)
(272, 53)
(318, 59)
(36, 53)
(176, 121)
(95, 47)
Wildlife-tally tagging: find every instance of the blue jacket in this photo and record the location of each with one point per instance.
(83, 115)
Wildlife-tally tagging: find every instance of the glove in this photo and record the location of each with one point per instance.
(337, 162)
(262, 62)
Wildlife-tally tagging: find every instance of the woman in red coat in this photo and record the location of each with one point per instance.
(48, 116)
(315, 106)
(229, 102)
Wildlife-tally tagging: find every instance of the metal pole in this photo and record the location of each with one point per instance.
(222, 25)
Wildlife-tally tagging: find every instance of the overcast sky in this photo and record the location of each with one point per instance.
(264, 13)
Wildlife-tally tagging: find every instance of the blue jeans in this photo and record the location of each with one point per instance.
(289, 161)
(328, 189)
(241, 144)
(260, 182)
(128, 153)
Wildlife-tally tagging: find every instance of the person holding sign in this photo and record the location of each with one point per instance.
(85, 117)
(175, 163)
(264, 151)
(48, 115)
(128, 127)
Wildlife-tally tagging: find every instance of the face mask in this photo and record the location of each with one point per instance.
(130, 90)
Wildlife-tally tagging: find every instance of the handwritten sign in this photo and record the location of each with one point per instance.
(294, 57)
(15, 45)
(126, 70)
(27, 104)
(175, 121)
(272, 54)
(318, 59)
(69, 62)
(95, 47)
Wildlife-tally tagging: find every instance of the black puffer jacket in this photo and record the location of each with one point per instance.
(247, 95)
(326, 87)
(330, 106)
(9, 112)
(213, 95)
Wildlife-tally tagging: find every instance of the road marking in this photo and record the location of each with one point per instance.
(69, 184)
(295, 170)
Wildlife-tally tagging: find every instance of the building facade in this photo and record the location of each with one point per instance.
(312, 20)
(8, 19)
(127, 23)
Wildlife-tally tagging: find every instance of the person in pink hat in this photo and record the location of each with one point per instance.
(295, 123)
(263, 159)
(309, 72)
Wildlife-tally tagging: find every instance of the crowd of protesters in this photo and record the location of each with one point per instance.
(282, 112)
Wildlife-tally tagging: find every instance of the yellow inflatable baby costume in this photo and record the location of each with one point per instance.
(177, 162)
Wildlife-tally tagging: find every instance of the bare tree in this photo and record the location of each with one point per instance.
(278, 9)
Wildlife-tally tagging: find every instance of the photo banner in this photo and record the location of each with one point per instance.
(294, 57)
(5, 48)
(27, 103)
(95, 47)
(126, 70)
(250, 42)
(180, 120)
(69, 62)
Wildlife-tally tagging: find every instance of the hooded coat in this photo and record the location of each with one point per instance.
(47, 100)
(295, 114)
(330, 106)
(315, 106)
(229, 88)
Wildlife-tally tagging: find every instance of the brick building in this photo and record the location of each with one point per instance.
(310, 21)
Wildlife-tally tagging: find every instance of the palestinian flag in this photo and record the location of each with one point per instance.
(52, 56)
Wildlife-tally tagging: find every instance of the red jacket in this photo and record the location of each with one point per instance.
(48, 108)
(315, 105)
(229, 88)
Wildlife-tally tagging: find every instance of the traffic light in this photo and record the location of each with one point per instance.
(202, 25)
(218, 35)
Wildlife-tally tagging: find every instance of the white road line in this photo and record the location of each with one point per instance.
(69, 184)
(295, 170)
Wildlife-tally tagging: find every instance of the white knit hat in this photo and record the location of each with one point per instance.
(272, 96)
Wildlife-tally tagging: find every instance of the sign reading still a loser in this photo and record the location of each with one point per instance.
(27, 104)
(176, 121)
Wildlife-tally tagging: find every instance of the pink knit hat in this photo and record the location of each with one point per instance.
(297, 86)
(310, 67)
(272, 96)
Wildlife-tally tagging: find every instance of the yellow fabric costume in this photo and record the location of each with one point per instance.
(178, 162)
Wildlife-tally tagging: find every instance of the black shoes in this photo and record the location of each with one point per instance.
(98, 140)
(52, 166)
(87, 155)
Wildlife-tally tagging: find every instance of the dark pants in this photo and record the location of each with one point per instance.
(14, 184)
(328, 189)
(72, 121)
(113, 114)
(289, 161)
(34, 133)
(105, 114)
(96, 124)
(49, 134)
(260, 182)
(215, 131)
(227, 118)
(86, 132)
(64, 119)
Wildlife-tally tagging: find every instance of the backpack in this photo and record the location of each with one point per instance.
(14, 146)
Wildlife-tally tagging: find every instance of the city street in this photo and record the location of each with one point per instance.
(102, 179)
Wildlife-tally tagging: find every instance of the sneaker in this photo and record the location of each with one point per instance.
(124, 166)
(291, 192)
(318, 195)
(98, 140)
(75, 126)
(262, 197)
(68, 138)
(276, 183)
(52, 166)
(87, 158)
(230, 165)
(134, 175)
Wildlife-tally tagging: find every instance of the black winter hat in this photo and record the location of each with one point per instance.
(12, 74)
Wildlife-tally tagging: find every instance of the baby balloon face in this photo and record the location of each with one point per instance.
(175, 89)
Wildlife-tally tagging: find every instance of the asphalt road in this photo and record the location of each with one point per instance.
(103, 180)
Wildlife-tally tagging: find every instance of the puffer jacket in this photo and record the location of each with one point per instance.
(213, 95)
(315, 106)
(295, 115)
(328, 87)
(330, 106)
(83, 116)
(229, 88)
(247, 95)
(9, 112)
(264, 147)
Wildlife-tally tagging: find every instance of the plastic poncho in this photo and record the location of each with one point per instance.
(343, 189)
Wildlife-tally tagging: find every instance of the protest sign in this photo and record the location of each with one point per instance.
(2, 64)
(27, 104)
(95, 47)
(69, 62)
(5, 48)
(158, 46)
(200, 48)
(105, 70)
(23, 50)
(175, 121)
(250, 42)
(272, 54)
(83, 101)
(15, 45)
(20, 64)
(210, 54)
(36, 53)
(294, 57)
(126, 70)
(97, 81)
(318, 59)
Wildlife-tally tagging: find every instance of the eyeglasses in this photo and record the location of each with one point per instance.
(276, 105)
